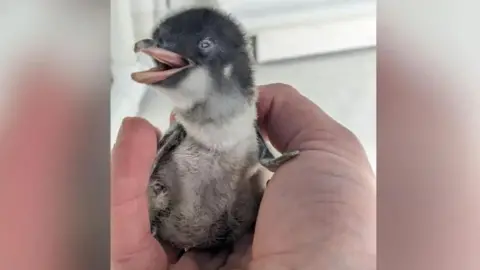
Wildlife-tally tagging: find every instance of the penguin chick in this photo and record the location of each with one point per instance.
(206, 184)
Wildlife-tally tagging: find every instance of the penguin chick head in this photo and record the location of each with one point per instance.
(199, 53)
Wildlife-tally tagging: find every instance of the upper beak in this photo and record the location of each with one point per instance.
(174, 61)
(143, 44)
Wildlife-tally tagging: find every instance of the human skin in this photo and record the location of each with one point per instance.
(318, 211)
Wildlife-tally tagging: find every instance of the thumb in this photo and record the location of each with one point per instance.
(133, 246)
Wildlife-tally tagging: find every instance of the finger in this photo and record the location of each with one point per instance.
(327, 186)
(132, 157)
(133, 246)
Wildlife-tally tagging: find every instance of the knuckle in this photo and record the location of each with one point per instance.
(351, 141)
(350, 136)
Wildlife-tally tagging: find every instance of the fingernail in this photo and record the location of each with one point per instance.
(122, 127)
(126, 119)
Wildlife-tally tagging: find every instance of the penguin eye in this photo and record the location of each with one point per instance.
(206, 45)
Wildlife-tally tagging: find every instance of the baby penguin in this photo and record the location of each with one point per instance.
(206, 185)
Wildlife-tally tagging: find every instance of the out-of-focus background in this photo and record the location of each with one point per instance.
(324, 48)
(54, 160)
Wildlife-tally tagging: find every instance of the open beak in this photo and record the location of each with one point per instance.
(171, 63)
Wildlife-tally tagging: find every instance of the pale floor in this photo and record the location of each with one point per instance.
(343, 85)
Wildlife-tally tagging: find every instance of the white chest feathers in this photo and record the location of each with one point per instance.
(226, 136)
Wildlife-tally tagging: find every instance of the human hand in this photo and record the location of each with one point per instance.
(318, 212)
